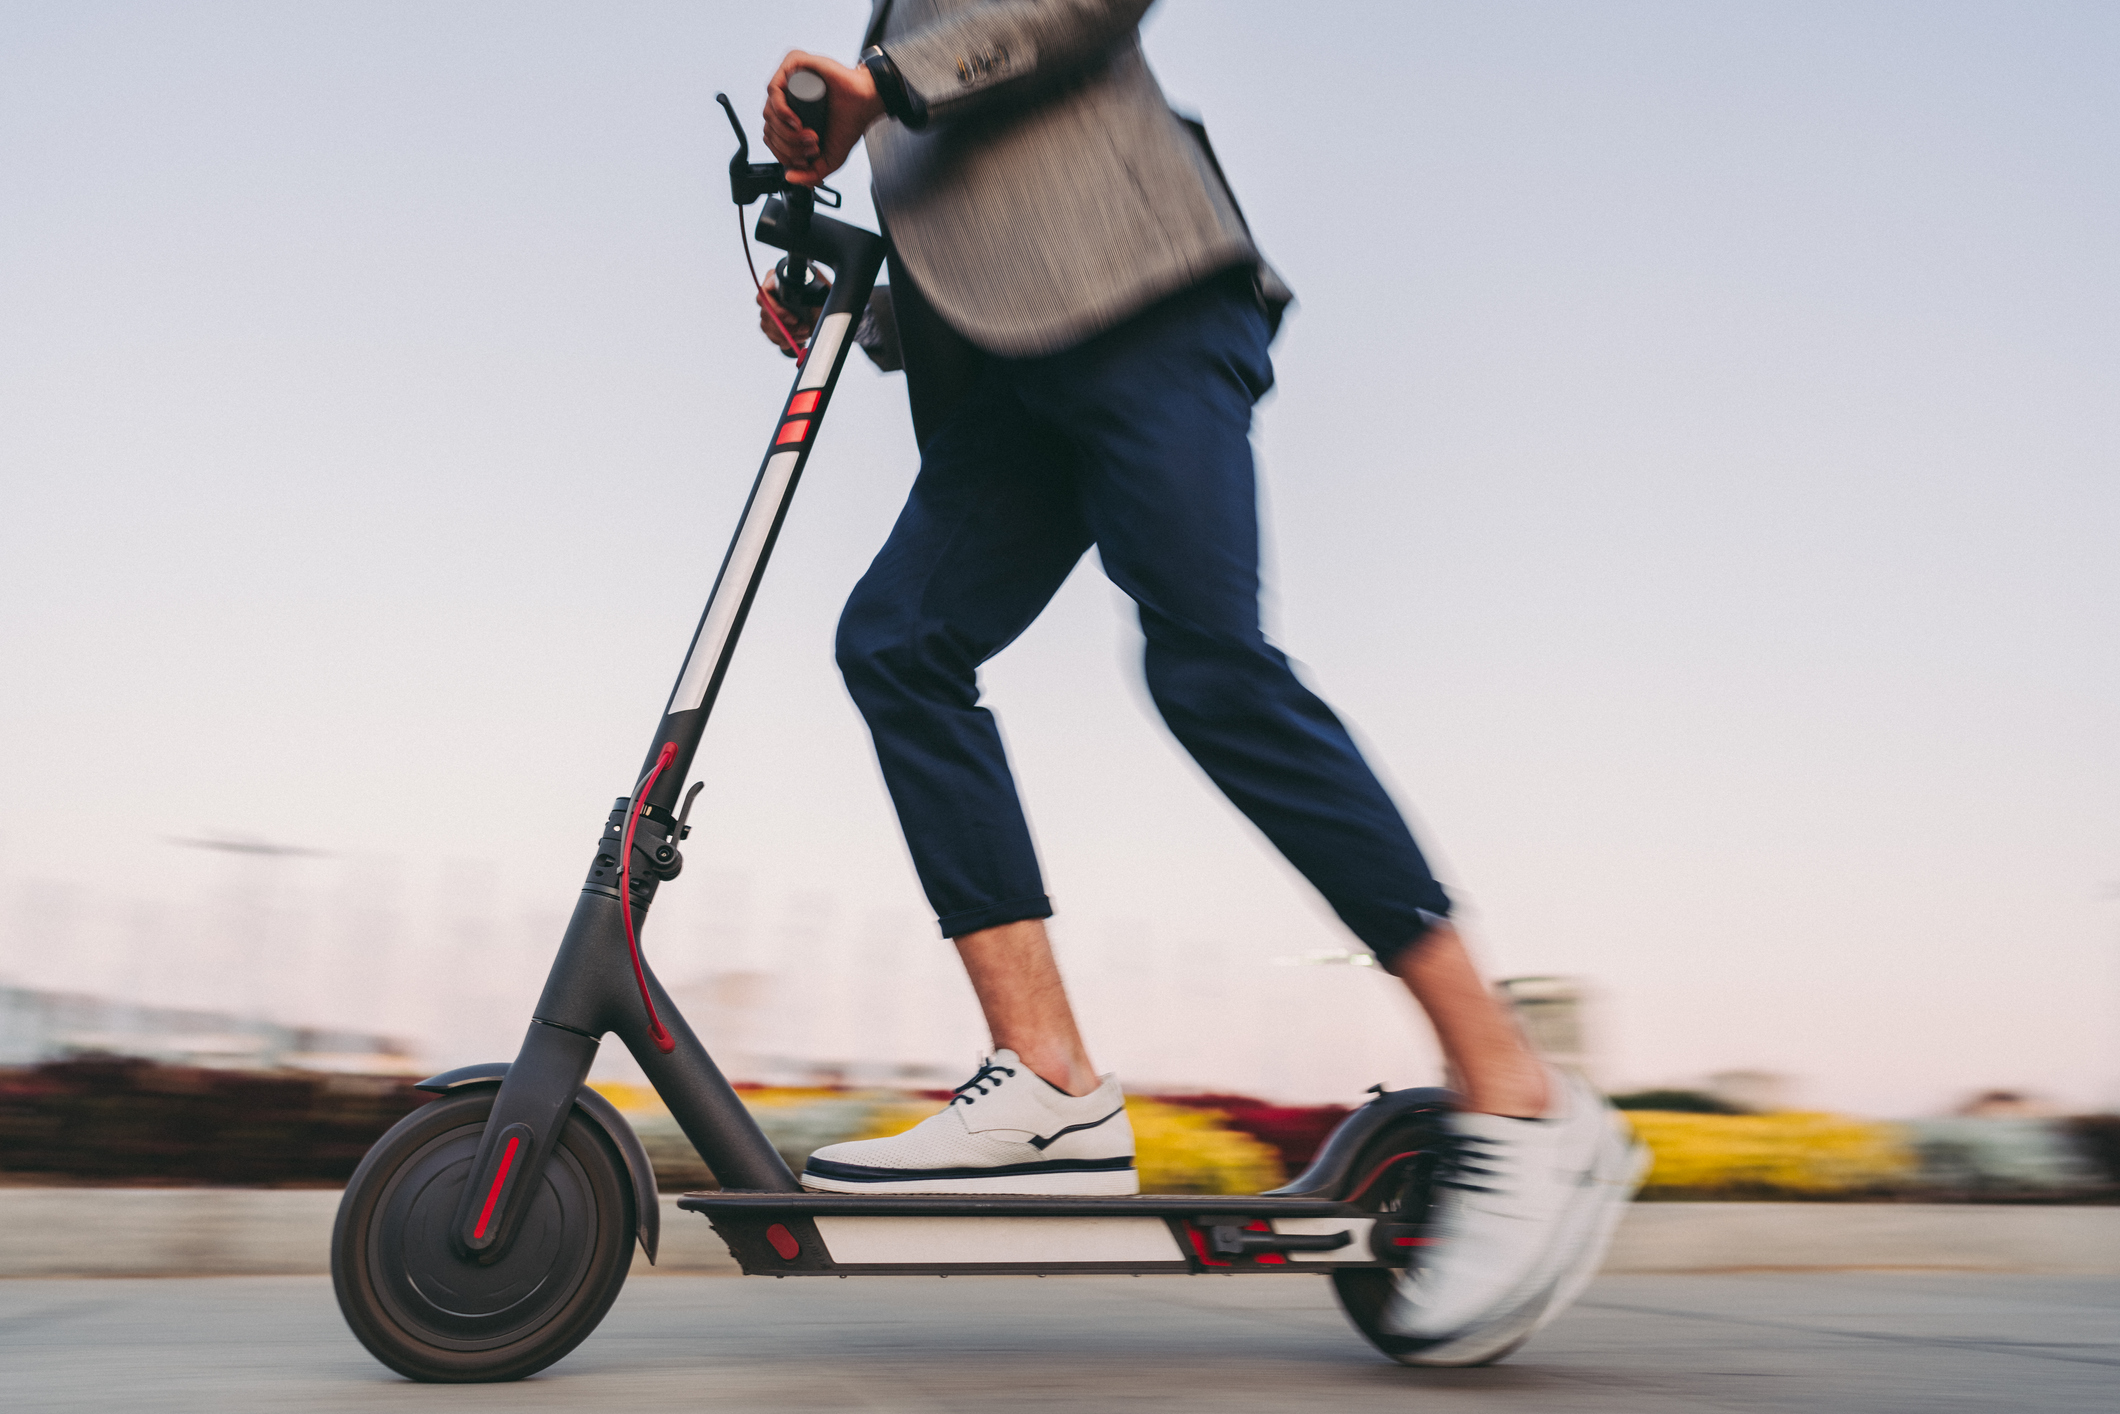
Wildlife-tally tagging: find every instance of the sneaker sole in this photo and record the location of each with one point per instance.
(1619, 1173)
(1114, 1183)
(1610, 1171)
(1619, 1170)
(1483, 1346)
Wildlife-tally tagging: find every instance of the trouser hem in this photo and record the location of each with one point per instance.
(1389, 953)
(993, 915)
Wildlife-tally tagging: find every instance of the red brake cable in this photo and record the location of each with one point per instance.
(795, 347)
(664, 1042)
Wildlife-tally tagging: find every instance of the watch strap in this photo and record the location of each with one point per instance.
(899, 101)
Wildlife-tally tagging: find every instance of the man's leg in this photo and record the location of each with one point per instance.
(1025, 1003)
(1161, 410)
(1026, 1008)
(990, 531)
(992, 528)
(1536, 1171)
(1496, 1071)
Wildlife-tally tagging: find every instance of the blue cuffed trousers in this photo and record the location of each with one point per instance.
(1137, 442)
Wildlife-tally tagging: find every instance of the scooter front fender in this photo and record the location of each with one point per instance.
(646, 1205)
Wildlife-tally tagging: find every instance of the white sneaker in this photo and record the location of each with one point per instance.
(1522, 1214)
(1007, 1131)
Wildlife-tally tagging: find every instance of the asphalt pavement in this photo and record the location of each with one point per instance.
(1847, 1343)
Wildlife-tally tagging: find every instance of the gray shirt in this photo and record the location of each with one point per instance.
(1051, 193)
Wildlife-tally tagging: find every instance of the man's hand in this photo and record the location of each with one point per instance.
(851, 93)
(799, 321)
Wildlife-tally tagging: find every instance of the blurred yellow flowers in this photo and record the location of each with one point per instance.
(1813, 1154)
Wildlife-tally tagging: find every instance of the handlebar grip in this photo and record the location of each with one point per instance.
(808, 97)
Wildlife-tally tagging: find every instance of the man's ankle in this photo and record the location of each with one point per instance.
(1490, 1062)
(1512, 1096)
(1070, 1075)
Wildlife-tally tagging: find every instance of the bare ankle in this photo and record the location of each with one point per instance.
(1519, 1096)
(1070, 1075)
(1488, 1056)
(1012, 971)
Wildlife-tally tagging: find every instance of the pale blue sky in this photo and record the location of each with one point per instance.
(1693, 472)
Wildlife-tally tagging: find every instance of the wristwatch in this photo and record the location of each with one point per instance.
(899, 101)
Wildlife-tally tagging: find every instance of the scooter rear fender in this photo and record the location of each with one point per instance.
(646, 1205)
(1331, 1174)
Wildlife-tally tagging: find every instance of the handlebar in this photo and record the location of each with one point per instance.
(810, 99)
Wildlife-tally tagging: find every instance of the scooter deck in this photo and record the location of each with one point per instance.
(852, 1234)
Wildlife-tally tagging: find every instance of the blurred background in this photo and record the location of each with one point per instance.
(1692, 473)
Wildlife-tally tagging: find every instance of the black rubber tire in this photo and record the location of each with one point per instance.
(1401, 1194)
(427, 1311)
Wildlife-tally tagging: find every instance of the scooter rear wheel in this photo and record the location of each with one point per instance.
(1397, 1167)
(422, 1306)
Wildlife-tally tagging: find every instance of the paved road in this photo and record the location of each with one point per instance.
(1849, 1343)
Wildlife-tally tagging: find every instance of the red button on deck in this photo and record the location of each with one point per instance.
(793, 432)
(804, 402)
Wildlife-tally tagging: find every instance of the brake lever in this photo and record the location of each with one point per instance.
(750, 180)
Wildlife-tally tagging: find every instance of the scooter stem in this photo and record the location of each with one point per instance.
(592, 989)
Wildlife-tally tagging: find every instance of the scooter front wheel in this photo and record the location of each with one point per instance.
(423, 1306)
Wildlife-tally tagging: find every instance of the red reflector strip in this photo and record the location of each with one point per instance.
(1199, 1245)
(783, 1242)
(493, 1194)
(793, 432)
(804, 402)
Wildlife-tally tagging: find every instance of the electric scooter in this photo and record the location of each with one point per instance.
(486, 1234)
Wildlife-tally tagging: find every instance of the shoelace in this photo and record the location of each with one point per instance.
(987, 1071)
(1464, 1157)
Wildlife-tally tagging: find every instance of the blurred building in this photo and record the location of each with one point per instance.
(2007, 1104)
(2001, 1154)
(1555, 1015)
(1759, 1092)
(37, 1026)
(754, 1024)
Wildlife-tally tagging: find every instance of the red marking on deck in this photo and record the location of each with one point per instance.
(783, 1242)
(1199, 1246)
